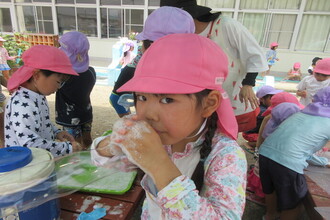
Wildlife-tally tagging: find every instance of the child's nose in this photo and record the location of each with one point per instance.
(150, 113)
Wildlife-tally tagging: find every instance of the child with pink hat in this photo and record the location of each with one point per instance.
(309, 86)
(284, 153)
(183, 135)
(3, 59)
(27, 121)
(271, 55)
(294, 73)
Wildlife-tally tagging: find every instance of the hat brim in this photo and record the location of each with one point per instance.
(24, 73)
(164, 86)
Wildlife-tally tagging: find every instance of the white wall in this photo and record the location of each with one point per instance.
(101, 48)
(288, 58)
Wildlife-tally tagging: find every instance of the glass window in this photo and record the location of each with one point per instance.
(5, 20)
(86, 20)
(66, 17)
(65, 1)
(284, 4)
(253, 4)
(111, 23)
(133, 2)
(281, 30)
(45, 20)
(220, 3)
(318, 5)
(25, 15)
(267, 28)
(311, 37)
(21, 1)
(110, 2)
(153, 2)
(255, 23)
(86, 1)
(42, 0)
(133, 20)
(5, 0)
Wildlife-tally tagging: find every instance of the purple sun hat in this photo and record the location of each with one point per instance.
(320, 105)
(75, 45)
(166, 20)
(279, 114)
(267, 90)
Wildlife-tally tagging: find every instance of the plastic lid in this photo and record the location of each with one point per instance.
(12, 158)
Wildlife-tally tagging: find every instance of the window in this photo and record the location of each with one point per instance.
(270, 4)
(66, 17)
(153, 2)
(219, 3)
(111, 23)
(110, 2)
(268, 28)
(86, 20)
(311, 37)
(133, 2)
(77, 19)
(318, 5)
(35, 19)
(133, 21)
(5, 20)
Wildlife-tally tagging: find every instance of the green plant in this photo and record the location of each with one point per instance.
(15, 46)
(132, 35)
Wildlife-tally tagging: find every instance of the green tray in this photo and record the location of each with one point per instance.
(114, 182)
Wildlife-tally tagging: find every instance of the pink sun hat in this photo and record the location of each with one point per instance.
(273, 44)
(297, 65)
(40, 57)
(323, 66)
(185, 64)
(280, 98)
(166, 20)
(1, 39)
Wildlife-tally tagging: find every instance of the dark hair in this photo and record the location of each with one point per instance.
(125, 53)
(211, 125)
(315, 60)
(147, 43)
(48, 73)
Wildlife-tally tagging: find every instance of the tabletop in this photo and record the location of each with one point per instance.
(117, 206)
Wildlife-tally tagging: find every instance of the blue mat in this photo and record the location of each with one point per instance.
(279, 79)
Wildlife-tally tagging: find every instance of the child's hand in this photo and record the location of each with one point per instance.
(302, 93)
(141, 144)
(65, 136)
(106, 149)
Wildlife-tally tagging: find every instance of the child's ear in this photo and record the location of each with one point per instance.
(211, 103)
(36, 74)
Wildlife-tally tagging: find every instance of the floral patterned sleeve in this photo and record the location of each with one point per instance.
(223, 192)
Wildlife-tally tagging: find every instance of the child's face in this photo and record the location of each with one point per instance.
(173, 117)
(266, 100)
(48, 85)
(321, 77)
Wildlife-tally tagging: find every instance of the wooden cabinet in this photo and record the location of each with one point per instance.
(39, 39)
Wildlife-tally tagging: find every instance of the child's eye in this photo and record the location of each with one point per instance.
(166, 100)
(141, 98)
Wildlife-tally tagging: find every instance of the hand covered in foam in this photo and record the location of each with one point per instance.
(139, 142)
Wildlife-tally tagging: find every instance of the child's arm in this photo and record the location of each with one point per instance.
(7, 55)
(177, 194)
(302, 93)
(3, 81)
(261, 130)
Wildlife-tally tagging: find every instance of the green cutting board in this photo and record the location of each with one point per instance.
(114, 182)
